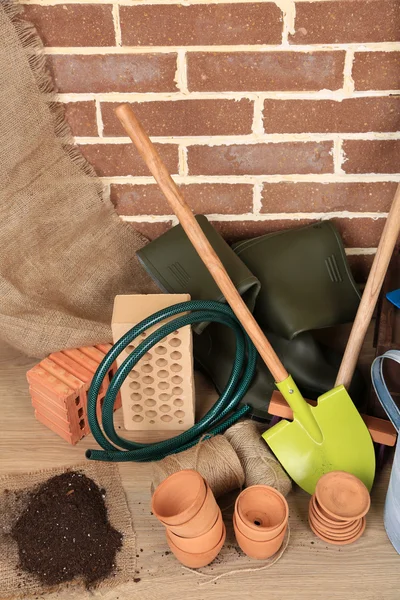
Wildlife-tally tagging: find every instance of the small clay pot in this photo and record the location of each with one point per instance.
(202, 521)
(342, 542)
(256, 549)
(201, 559)
(179, 497)
(262, 509)
(260, 534)
(342, 495)
(202, 543)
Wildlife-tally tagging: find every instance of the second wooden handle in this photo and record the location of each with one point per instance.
(194, 232)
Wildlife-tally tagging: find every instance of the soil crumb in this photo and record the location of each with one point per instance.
(64, 532)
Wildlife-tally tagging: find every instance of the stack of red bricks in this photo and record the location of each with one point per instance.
(269, 115)
(58, 386)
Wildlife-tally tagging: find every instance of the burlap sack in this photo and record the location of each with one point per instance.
(13, 584)
(65, 254)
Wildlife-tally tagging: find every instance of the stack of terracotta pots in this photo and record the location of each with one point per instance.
(185, 505)
(337, 509)
(260, 521)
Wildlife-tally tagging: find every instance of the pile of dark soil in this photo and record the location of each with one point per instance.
(64, 532)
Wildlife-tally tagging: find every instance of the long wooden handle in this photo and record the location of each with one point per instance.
(371, 293)
(194, 232)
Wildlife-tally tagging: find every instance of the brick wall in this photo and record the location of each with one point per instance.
(269, 114)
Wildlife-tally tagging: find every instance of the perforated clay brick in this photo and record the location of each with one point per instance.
(158, 394)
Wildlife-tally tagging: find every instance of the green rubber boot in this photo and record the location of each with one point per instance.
(176, 267)
(306, 282)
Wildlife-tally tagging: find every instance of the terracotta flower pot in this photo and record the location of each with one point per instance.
(256, 549)
(262, 509)
(201, 559)
(179, 497)
(202, 521)
(342, 496)
(202, 543)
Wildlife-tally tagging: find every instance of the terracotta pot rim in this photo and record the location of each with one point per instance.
(323, 499)
(184, 544)
(273, 492)
(201, 555)
(325, 517)
(190, 511)
(196, 522)
(339, 535)
(325, 524)
(257, 541)
(260, 534)
(258, 550)
(340, 542)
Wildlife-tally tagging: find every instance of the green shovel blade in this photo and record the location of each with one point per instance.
(328, 437)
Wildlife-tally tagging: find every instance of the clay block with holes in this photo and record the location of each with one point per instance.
(58, 386)
(158, 394)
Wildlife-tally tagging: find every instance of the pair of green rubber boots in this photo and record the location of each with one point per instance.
(293, 281)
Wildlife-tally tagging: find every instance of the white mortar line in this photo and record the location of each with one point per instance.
(266, 217)
(337, 95)
(183, 161)
(251, 139)
(99, 120)
(257, 198)
(253, 179)
(348, 81)
(288, 8)
(338, 155)
(258, 120)
(117, 25)
(181, 72)
(360, 251)
(355, 47)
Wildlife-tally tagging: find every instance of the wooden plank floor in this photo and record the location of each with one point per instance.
(309, 570)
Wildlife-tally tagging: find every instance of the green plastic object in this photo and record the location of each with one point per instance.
(328, 437)
(175, 266)
(306, 282)
(220, 416)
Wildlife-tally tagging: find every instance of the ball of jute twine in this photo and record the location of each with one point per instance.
(214, 458)
(259, 464)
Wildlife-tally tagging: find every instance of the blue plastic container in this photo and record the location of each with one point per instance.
(392, 504)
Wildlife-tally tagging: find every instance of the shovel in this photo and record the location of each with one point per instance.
(332, 435)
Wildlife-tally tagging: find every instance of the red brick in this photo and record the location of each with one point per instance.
(261, 159)
(347, 21)
(81, 117)
(114, 73)
(329, 116)
(73, 24)
(118, 160)
(202, 198)
(185, 117)
(371, 156)
(152, 230)
(376, 70)
(327, 197)
(253, 71)
(360, 265)
(174, 25)
(356, 233)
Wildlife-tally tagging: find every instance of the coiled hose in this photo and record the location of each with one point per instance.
(217, 419)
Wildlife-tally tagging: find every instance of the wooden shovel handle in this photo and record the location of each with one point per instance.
(371, 293)
(194, 232)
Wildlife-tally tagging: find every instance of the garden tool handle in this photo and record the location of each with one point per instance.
(371, 293)
(194, 232)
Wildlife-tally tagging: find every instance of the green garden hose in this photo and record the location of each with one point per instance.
(221, 416)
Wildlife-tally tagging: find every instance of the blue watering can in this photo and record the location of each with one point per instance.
(392, 503)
